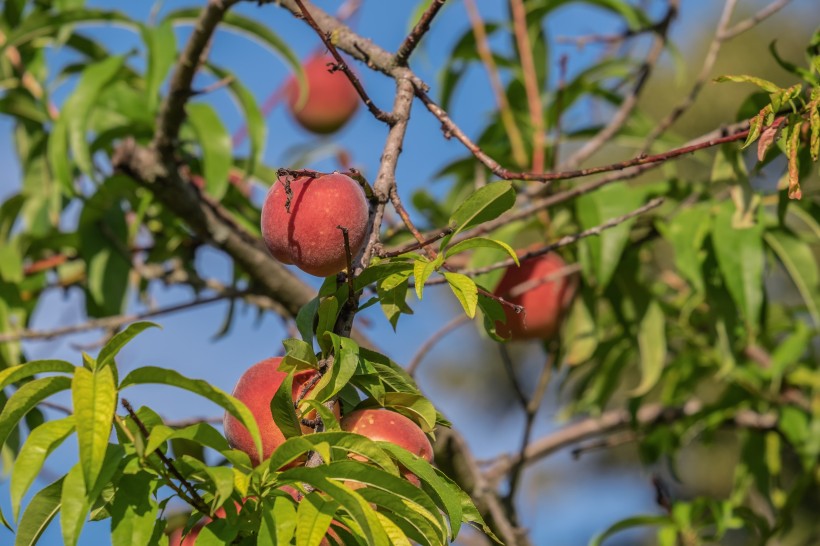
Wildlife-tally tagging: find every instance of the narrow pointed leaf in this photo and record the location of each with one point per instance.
(154, 375)
(26, 398)
(113, 347)
(39, 513)
(313, 519)
(465, 291)
(215, 143)
(95, 400)
(39, 445)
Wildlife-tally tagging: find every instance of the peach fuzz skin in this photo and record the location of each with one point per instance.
(304, 232)
(331, 100)
(544, 305)
(256, 388)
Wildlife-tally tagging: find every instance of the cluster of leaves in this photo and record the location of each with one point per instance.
(131, 481)
(680, 305)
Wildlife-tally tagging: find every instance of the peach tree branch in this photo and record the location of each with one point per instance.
(617, 420)
(110, 323)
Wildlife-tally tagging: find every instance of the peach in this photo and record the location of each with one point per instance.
(331, 100)
(544, 303)
(256, 388)
(301, 228)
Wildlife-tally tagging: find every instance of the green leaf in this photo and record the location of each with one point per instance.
(113, 347)
(422, 269)
(341, 444)
(278, 521)
(95, 400)
(687, 231)
(465, 291)
(24, 371)
(74, 505)
(481, 242)
(493, 313)
(305, 318)
(77, 108)
(39, 513)
(154, 375)
(600, 255)
(215, 143)
(652, 346)
(299, 355)
(77, 499)
(628, 523)
(392, 293)
(134, 510)
(46, 23)
(763, 84)
(26, 398)
(252, 28)
(350, 501)
(328, 311)
(346, 360)
(446, 494)
(281, 407)
(11, 262)
(798, 260)
(254, 118)
(740, 258)
(103, 238)
(39, 445)
(485, 204)
(313, 519)
(201, 433)
(161, 45)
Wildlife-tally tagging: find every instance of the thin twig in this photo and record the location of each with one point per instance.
(562, 242)
(425, 348)
(417, 245)
(198, 502)
(379, 114)
(419, 30)
(499, 171)
(534, 103)
(530, 407)
(749, 23)
(486, 56)
(105, 322)
(172, 112)
(706, 69)
(616, 420)
(631, 100)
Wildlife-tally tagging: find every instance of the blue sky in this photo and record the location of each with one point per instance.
(563, 513)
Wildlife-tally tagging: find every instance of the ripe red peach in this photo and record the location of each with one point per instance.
(545, 302)
(330, 101)
(300, 226)
(256, 388)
